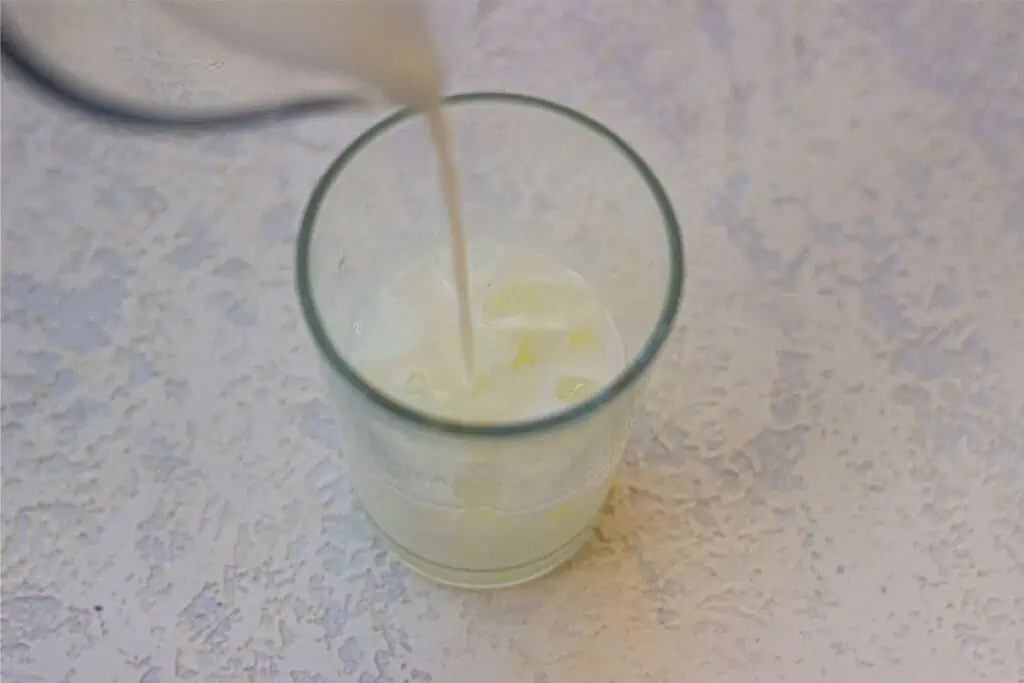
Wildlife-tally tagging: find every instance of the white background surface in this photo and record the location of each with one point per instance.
(824, 483)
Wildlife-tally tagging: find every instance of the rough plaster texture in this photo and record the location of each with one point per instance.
(825, 480)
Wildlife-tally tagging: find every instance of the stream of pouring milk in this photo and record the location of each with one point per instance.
(554, 318)
(441, 137)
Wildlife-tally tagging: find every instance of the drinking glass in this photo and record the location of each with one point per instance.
(471, 504)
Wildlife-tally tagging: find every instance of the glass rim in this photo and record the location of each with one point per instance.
(625, 379)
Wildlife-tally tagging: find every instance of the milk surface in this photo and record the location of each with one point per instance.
(542, 337)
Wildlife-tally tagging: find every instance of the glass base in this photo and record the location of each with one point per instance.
(483, 579)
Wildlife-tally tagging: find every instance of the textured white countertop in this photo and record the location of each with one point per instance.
(825, 482)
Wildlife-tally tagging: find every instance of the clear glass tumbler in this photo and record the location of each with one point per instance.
(488, 505)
